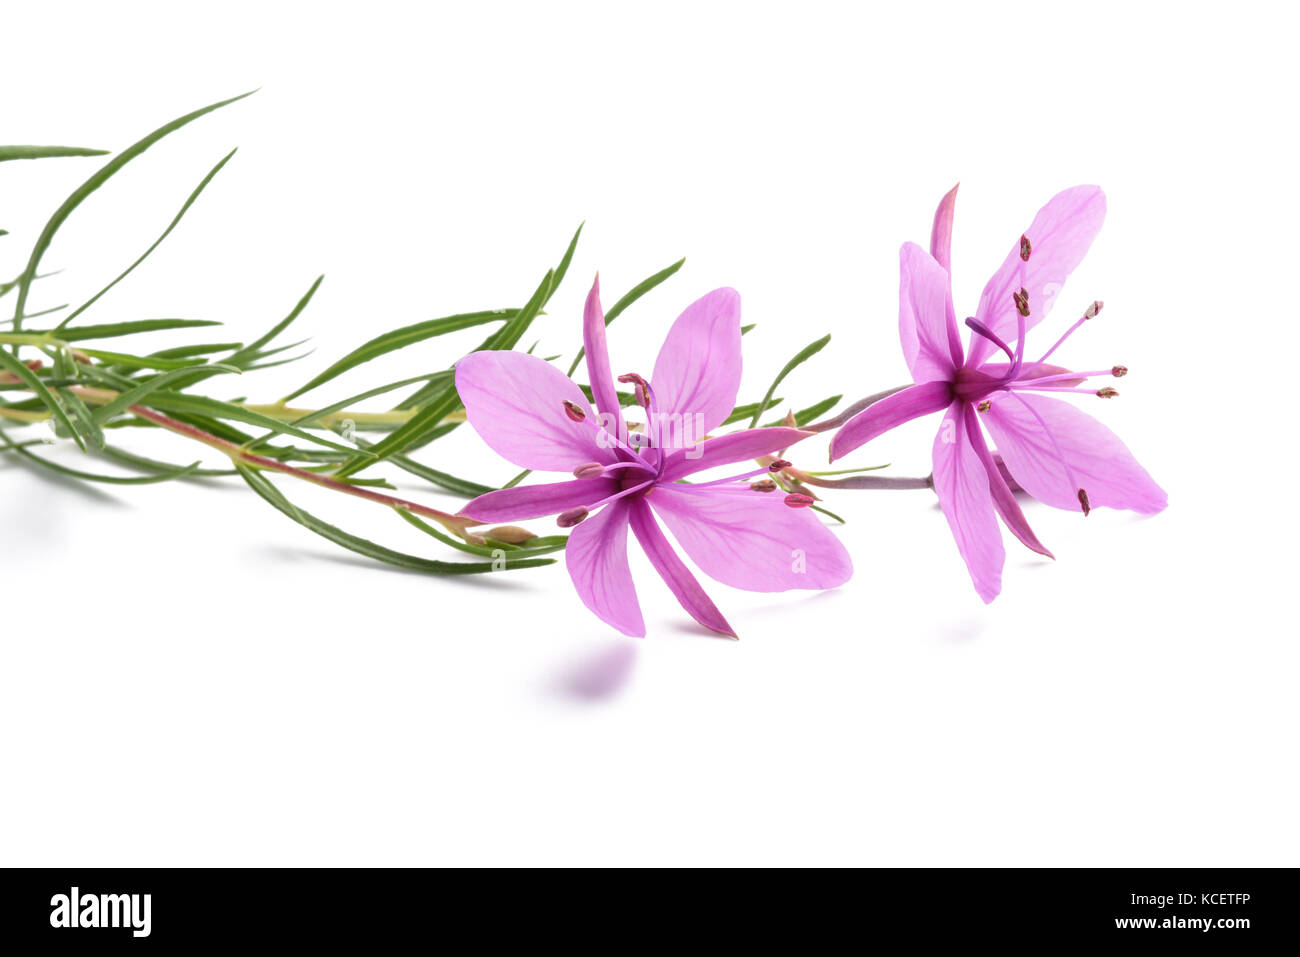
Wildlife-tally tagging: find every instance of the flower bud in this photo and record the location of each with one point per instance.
(510, 534)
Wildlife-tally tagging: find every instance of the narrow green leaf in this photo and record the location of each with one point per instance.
(137, 394)
(100, 177)
(43, 152)
(214, 408)
(263, 487)
(250, 352)
(20, 449)
(741, 412)
(803, 355)
(544, 546)
(809, 414)
(518, 478)
(399, 339)
(156, 243)
(143, 362)
(112, 330)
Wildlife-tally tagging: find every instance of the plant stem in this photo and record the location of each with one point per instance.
(241, 456)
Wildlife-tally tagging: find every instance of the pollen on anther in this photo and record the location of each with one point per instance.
(1025, 248)
(1092, 310)
(574, 411)
(1022, 301)
(778, 465)
(1083, 501)
(1106, 392)
(984, 406)
(798, 500)
(763, 485)
(1119, 372)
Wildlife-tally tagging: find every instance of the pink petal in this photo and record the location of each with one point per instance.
(516, 404)
(890, 412)
(534, 501)
(941, 233)
(1099, 461)
(1060, 236)
(674, 572)
(598, 370)
(698, 369)
(753, 540)
(926, 323)
(962, 485)
(726, 449)
(1003, 500)
(596, 557)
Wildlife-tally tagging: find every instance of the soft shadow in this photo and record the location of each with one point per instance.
(964, 630)
(82, 487)
(597, 677)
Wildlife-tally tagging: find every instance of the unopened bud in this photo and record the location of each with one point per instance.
(571, 518)
(790, 422)
(1119, 372)
(798, 500)
(1092, 310)
(589, 470)
(574, 411)
(1022, 301)
(1106, 392)
(1083, 500)
(763, 485)
(1025, 248)
(984, 406)
(510, 534)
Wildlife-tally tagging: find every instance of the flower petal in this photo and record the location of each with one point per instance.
(752, 540)
(596, 557)
(598, 370)
(962, 485)
(1099, 461)
(941, 233)
(516, 404)
(673, 571)
(726, 449)
(534, 501)
(927, 326)
(1060, 236)
(698, 368)
(890, 412)
(1003, 500)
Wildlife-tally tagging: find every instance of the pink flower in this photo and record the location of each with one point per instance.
(534, 415)
(1056, 453)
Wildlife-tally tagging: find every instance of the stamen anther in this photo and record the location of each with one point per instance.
(763, 485)
(642, 392)
(574, 411)
(1106, 392)
(1022, 301)
(589, 470)
(571, 518)
(1083, 500)
(1092, 310)
(1119, 372)
(984, 406)
(798, 500)
(778, 465)
(1025, 248)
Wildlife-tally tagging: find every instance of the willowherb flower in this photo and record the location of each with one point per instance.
(1056, 453)
(738, 530)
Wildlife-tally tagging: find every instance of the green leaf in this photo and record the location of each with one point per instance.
(803, 355)
(399, 339)
(214, 408)
(43, 152)
(102, 176)
(742, 412)
(809, 414)
(430, 416)
(20, 449)
(143, 362)
(156, 243)
(635, 293)
(137, 394)
(544, 547)
(82, 417)
(112, 330)
(29, 378)
(250, 352)
(263, 487)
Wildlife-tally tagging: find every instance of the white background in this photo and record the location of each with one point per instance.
(186, 677)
